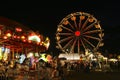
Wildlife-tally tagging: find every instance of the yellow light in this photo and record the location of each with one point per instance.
(59, 29)
(47, 38)
(22, 37)
(8, 35)
(58, 38)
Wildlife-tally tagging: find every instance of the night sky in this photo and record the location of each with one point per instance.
(45, 16)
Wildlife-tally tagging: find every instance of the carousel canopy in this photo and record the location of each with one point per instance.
(16, 36)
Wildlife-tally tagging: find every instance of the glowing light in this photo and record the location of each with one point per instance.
(82, 17)
(36, 54)
(29, 55)
(24, 40)
(18, 29)
(34, 38)
(77, 33)
(5, 37)
(18, 37)
(22, 37)
(59, 29)
(46, 43)
(14, 36)
(49, 58)
(8, 34)
(5, 56)
(43, 57)
(58, 38)
(73, 18)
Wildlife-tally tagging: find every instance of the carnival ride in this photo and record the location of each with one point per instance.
(16, 39)
(78, 32)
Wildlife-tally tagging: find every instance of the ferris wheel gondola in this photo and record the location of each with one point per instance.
(79, 31)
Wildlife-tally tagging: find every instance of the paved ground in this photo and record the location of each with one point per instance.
(73, 75)
(93, 76)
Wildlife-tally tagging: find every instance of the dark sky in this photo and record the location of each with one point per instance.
(45, 16)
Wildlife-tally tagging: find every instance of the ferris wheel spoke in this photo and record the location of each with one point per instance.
(65, 34)
(80, 23)
(90, 26)
(74, 19)
(95, 38)
(67, 22)
(71, 25)
(93, 31)
(67, 44)
(78, 46)
(65, 39)
(89, 42)
(99, 44)
(75, 23)
(66, 28)
(84, 24)
(83, 44)
(72, 48)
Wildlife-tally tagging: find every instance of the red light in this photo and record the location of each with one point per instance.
(14, 36)
(18, 37)
(18, 29)
(77, 33)
(24, 40)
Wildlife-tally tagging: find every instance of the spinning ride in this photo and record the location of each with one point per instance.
(20, 39)
(79, 31)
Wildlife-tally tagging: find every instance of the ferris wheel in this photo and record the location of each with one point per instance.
(79, 31)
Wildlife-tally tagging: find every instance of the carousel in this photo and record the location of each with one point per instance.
(18, 42)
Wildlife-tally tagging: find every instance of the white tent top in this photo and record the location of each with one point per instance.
(70, 56)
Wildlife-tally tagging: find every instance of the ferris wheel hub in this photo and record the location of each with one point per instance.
(77, 33)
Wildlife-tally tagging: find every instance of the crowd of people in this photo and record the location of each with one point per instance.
(54, 70)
